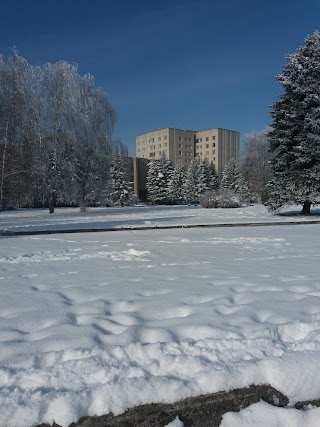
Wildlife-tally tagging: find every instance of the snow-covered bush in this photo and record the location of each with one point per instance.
(222, 198)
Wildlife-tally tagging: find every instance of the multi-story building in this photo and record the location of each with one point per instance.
(176, 144)
(217, 145)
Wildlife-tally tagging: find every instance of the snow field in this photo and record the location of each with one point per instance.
(142, 216)
(93, 323)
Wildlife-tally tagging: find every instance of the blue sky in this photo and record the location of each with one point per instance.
(171, 63)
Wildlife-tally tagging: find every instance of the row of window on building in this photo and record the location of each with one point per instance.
(207, 138)
(152, 148)
(186, 139)
(198, 146)
(165, 137)
(206, 154)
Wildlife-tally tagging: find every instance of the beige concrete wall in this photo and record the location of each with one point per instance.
(229, 147)
(152, 144)
(176, 144)
(207, 146)
(181, 146)
(218, 146)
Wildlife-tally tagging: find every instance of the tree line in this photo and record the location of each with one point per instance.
(167, 184)
(56, 145)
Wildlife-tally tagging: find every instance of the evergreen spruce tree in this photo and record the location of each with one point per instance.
(212, 180)
(295, 137)
(175, 192)
(190, 186)
(242, 188)
(230, 175)
(158, 178)
(120, 188)
(232, 179)
(200, 177)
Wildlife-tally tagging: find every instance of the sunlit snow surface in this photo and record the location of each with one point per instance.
(98, 322)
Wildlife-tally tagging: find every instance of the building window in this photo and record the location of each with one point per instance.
(159, 145)
(138, 142)
(152, 154)
(180, 138)
(180, 153)
(207, 145)
(197, 140)
(213, 151)
(200, 139)
(207, 138)
(159, 138)
(138, 150)
(213, 144)
(180, 145)
(166, 144)
(213, 138)
(207, 153)
(160, 153)
(165, 137)
(214, 159)
(200, 154)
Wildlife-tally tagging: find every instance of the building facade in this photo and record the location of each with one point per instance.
(217, 145)
(176, 144)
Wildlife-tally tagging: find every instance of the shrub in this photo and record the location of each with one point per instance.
(222, 198)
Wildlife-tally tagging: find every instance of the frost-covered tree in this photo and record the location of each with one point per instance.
(211, 176)
(93, 145)
(200, 176)
(255, 166)
(120, 187)
(175, 192)
(55, 135)
(295, 137)
(233, 179)
(158, 178)
(14, 123)
(190, 186)
(55, 117)
(230, 175)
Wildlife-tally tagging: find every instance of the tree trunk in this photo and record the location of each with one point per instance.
(52, 202)
(306, 207)
(5, 146)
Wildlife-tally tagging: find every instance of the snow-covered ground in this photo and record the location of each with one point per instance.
(140, 216)
(98, 322)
